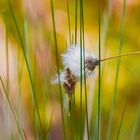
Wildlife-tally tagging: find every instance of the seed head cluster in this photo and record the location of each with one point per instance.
(71, 60)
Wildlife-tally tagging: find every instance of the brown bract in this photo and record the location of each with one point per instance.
(69, 82)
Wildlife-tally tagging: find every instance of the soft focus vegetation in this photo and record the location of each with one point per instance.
(106, 106)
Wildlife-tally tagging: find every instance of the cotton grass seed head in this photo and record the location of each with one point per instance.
(67, 79)
(71, 60)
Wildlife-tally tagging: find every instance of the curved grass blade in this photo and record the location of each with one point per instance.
(57, 63)
(118, 56)
(12, 109)
(27, 64)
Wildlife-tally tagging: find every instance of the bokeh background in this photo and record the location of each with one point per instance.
(34, 20)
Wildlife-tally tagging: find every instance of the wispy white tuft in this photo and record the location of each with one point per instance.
(55, 79)
(71, 59)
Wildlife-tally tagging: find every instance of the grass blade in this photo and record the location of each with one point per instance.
(12, 109)
(81, 77)
(27, 64)
(85, 86)
(57, 63)
(122, 117)
(99, 71)
(136, 124)
(76, 7)
(68, 12)
(117, 74)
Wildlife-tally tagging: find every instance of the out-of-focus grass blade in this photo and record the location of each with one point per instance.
(69, 23)
(12, 109)
(27, 64)
(122, 117)
(76, 7)
(57, 63)
(117, 74)
(136, 125)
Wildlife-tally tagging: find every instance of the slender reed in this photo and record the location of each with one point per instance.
(57, 63)
(12, 109)
(76, 7)
(122, 117)
(69, 24)
(85, 86)
(99, 71)
(27, 64)
(81, 77)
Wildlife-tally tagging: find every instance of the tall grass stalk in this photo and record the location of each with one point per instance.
(21, 131)
(85, 85)
(69, 24)
(76, 11)
(117, 74)
(7, 78)
(27, 64)
(81, 77)
(122, 117)
(99, 71)
(57, 63)
(135, 127)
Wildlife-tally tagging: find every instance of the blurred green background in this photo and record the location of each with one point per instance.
(34, 20)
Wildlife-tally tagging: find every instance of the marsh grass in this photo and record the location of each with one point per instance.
(58, 71)
(76, 126)
(27, 64)
(99, 72)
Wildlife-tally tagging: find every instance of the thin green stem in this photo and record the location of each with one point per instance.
(57, 63)
(76, 7)
(12, 108)
(85, 85)
(68, 12)
(99, 70)
(135, 128)
(122, 117)
(27, 64)
(122, 55)
(81, 77)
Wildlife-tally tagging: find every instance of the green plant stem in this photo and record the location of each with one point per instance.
(118, 56)
(76, 7)
(122, 117)
(27, 64)
(85, 86)
(12, 109)
(99, 71)
(57, 63)
(69, 24)
(81, 77)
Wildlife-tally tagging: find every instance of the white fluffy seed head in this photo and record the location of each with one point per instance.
(72, 59)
